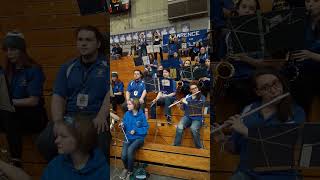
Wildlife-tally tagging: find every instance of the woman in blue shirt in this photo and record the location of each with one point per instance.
(268, 85)
(79, 158)
(135, 126)
(25, 80)
(118, 90)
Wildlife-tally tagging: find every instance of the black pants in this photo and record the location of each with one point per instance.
(117, 99)
(23, 121)
(156, 55)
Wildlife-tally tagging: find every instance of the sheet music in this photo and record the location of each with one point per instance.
(150, 49)
(156, 48)
(145, 60)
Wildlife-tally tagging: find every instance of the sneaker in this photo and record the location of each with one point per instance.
(124, 174)
(129, 175)
(169, 120)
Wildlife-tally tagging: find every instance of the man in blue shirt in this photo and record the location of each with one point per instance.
(82, 85)
(136, 89)
(166, 95)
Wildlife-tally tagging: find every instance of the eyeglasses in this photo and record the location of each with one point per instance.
(193, 88)
(267, 87)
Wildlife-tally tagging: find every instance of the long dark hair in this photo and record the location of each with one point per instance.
(116, 81)
(284, 108)
(25, 59)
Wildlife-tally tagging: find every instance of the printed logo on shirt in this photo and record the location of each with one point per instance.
(135, 93)
(165, 82)
(100, 72)
(24, 82)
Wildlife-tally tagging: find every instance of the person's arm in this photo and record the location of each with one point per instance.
(12, 172)
(306, 54)
(127, 95)
(143, 128)
(100, 121)
(144, 93)
(26, 102)
(58, 104)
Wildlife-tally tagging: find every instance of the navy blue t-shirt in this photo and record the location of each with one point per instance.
(27, 82)
(75, 78)
(257, 120)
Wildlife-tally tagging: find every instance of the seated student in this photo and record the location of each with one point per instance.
(268, 85)
(79, 158)
(194, 51)
(166, 95)
(135, 126)
(25, 81)
(194, 121)
(205, 88)
(159, 71)
(151, 69)
(203, 55)
(185, 77)
(184, 47)
(136, 89)
(117, 88)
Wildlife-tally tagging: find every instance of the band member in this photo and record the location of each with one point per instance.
(194, 121)
(136, 89)
(204, 82)
(118, 90)
(166, 95)
(151, 69)
(160, 71)
(203, 55)
(157, 41)
(135, 126)
(268, 85)
(194, 51)
(25, 80)
(184, 47)
(185, 77)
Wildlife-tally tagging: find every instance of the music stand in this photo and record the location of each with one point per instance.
(187, 73)
(262, 31)
(310, 148)
(272, 148)
(152, 84)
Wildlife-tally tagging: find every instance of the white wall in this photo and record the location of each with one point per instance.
(150, 14)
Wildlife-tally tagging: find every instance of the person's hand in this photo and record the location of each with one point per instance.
(219, 136)
(302, 55)
(164, 95)
(101, 124)
(184, 101)
(132, 132)
(141, 101)
(237, 125)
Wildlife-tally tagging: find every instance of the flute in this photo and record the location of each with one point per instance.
(183, 98)
(254, 110)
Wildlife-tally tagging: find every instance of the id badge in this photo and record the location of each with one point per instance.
(135, 93)
(82, 100)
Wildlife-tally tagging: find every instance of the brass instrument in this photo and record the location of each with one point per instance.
(222, 72)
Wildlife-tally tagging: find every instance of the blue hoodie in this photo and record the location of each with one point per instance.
(137, 122)
(61, 168)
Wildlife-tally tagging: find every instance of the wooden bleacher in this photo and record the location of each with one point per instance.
(162, 158)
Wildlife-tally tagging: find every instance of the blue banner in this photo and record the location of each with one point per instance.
(192, 37)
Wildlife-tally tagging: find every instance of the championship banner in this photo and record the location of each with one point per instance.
(191, 37)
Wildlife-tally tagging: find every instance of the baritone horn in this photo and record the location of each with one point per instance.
(224, 70)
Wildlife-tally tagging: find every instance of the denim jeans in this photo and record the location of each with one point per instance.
(128, 152)
(167, 101)
(194, 125)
